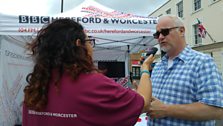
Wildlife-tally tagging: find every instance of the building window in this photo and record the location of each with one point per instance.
(180, 9)
(168, 11)
(197, 4)
(197, 39)
(136, 72)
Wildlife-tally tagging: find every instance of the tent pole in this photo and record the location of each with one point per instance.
(61, 6)
(127, 58)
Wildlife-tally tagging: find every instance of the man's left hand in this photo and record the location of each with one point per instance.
(157, 109)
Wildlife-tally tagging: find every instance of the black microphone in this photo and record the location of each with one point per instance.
(152, 50)
(149, 51)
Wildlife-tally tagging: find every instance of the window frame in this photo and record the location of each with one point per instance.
(136, 72)
(197, 39)
(197, 5)
(180, 9)
(168, 11)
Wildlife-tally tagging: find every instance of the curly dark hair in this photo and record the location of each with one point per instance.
(55, 48)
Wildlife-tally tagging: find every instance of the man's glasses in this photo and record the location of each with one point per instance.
(91, 41)
(164, 32)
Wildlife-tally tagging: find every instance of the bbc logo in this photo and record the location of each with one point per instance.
(34, 19)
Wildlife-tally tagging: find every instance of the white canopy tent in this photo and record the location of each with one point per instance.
(116, 34)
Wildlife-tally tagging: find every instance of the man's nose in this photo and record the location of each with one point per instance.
(161, 36)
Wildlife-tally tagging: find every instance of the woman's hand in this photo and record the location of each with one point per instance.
(147, 63)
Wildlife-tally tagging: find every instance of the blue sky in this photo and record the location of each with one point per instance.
(139, 7)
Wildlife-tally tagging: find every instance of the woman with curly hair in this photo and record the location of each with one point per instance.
(66, 89)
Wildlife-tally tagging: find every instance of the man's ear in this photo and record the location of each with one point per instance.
(78, 42)
(182, 31)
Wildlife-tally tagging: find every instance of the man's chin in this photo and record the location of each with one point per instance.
(164, 49)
